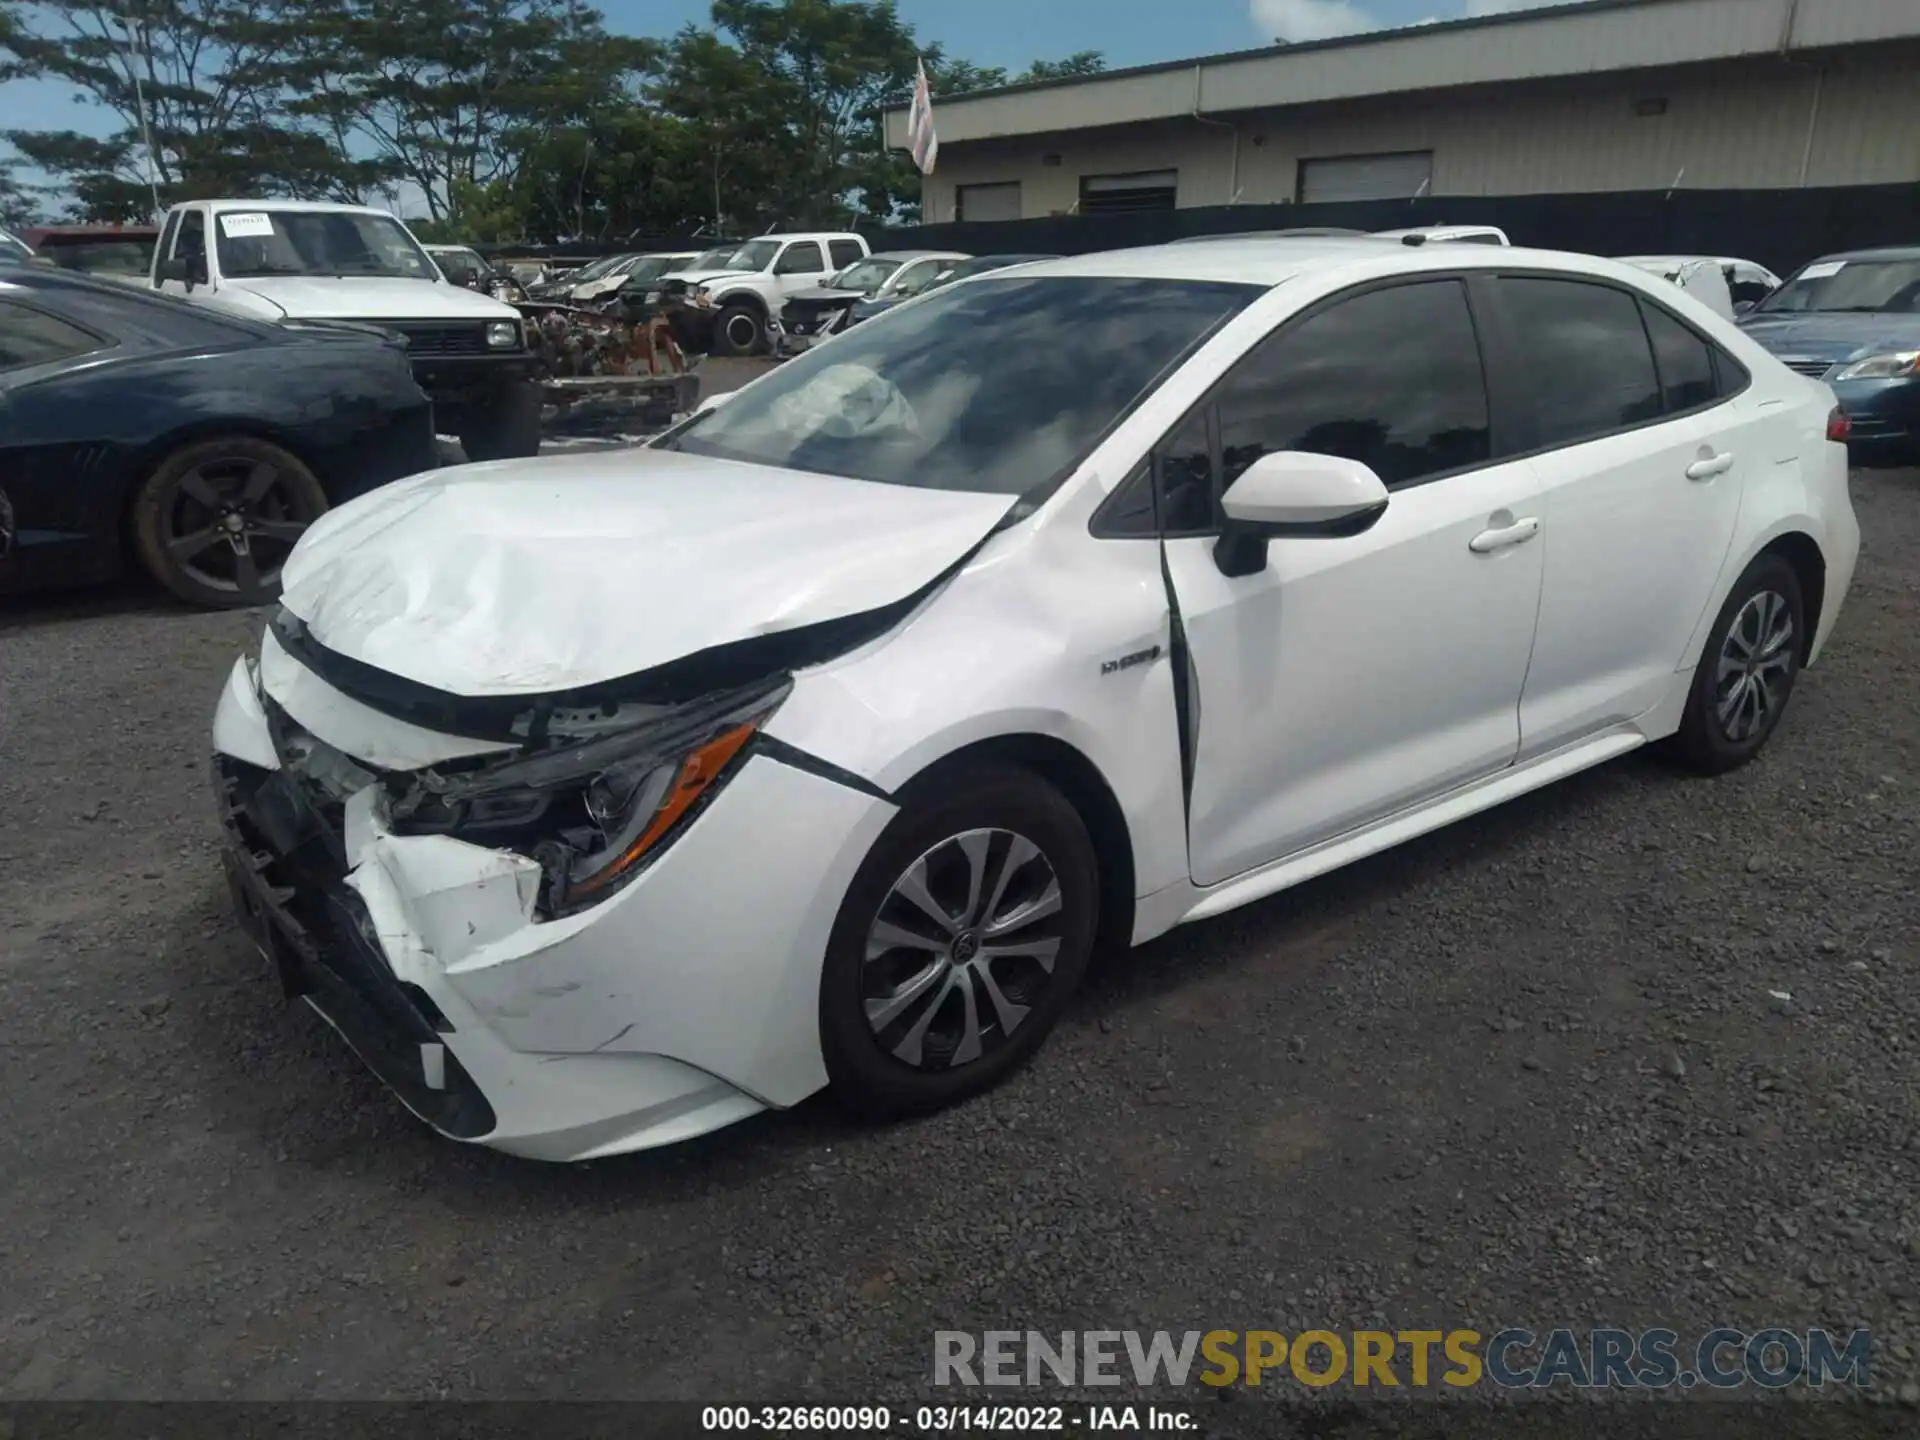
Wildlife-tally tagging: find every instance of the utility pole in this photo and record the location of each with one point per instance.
(140, 105)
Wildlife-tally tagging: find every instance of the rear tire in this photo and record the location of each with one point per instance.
(504, 427)
(963, 1002)
(215, 520)
(1747, 670)
(739, 330)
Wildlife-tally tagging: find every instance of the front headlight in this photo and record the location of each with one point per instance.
(503, 334)
(594, 813)
(1888, 366)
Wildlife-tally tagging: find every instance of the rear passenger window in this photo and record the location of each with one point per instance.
(1587, 364)
(1391, 378)
(33, 337)
(1684, 360)
(845, 253)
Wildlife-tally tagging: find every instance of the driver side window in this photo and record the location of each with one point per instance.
(1389, 377)
(191, 242)
(801, 258)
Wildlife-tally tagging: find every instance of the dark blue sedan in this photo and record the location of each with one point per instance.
(1853, 320)
(139, 430)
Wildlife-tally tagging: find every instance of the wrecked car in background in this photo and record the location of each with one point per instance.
(738, 298)
(632, 347)
(812, 314)
(956, 270)
(1728, 286)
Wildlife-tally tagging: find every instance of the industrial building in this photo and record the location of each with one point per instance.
(1608, 96)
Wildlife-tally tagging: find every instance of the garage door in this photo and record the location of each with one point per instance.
(1366, 177)
(1141, 190)
(987, 202)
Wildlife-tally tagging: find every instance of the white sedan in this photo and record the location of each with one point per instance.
(600, 801)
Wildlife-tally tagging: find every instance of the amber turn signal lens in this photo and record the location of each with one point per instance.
(697, 772)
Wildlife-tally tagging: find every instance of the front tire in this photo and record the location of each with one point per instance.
(505, 427)
(1746, 672)
(215, 520)
(739, 330)
(961, 940)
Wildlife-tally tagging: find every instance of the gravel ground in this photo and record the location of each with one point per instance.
(1524, 1071)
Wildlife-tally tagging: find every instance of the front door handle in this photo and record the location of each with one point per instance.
(1708, 466)
(1518, 533)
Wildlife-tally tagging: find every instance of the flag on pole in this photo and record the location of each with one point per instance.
(921, 140)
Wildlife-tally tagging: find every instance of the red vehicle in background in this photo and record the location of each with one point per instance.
(107, 252)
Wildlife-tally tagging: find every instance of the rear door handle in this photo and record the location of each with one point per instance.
(1518, 533)
(1710, 466)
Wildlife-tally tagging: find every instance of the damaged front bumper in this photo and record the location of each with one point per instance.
(683, 1002)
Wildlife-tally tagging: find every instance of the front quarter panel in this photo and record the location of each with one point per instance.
(1047, 631)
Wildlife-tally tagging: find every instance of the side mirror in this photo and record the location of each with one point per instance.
(1294, 494)
(186, 269)
(714, 401)
(1741, 307)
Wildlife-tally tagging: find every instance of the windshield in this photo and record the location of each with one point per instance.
(978, 388)
(714, 259)
(12, 251)
(597, 268)
(982, 264)
(651, 267)
(317, 242)
(866, 276)
(1882, 286)
(459, 266)
(754, 255)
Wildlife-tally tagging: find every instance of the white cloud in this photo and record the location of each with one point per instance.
(1298, 20)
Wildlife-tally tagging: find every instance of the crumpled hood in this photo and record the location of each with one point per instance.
(826, 294)
(304, 297)
(713, 277)
(1831, 336)
(524, 577)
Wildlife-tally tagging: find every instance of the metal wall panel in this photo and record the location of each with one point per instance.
(1845, 118)
(1553, 42)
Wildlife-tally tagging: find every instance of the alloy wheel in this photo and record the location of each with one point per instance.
(233, 522)
(1755, 668)
(962, 949)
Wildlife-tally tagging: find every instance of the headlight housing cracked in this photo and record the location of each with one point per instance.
(594, 813)
(1888, 366)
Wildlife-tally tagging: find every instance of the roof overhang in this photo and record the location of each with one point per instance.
(1556, 40)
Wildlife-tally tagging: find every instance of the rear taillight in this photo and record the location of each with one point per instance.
(1839, 426)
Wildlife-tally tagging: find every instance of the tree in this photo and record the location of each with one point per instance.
(629, 172)
(1081, 62)
(190, 86)
(17, 207)
(833, 64)
(444, 92)
(737, 113)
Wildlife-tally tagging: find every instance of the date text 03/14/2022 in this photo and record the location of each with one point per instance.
(945, 1419)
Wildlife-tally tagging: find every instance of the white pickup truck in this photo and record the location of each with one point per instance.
(310, 261)
(739, 289)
